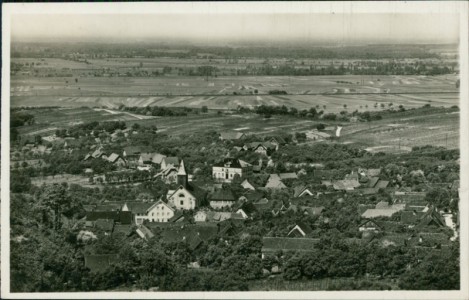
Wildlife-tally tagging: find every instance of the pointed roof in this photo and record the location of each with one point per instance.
(182, 169)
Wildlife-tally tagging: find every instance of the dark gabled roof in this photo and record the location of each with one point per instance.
(123, 217)
(100, 262)
(431, 217)
(271, 244)
(139, 207)
(223, 195)
(229, 162)
(132, 150)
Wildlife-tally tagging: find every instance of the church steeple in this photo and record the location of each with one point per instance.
(182, 175)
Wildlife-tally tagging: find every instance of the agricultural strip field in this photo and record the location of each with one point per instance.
(396, 132)
(47, 121)
(405, 130)
(218, 93)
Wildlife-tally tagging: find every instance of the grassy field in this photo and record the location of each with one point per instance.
(357, 92)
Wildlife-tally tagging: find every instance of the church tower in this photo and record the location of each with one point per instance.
(182, 175)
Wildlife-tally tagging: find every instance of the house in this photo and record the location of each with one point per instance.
(273, 245)
(300, 230)
(274, 182)
(157, 212)
(117, 160)
(225, 171)
(383, 210)
(137, 209)
(345, 185)
(150, 158)
(247, 185)
(144, 232)
(264, 148)
(432, 219)
(222, 198)
(370, 225)
(300, 191)
(231, 135)
(170, 161)
(98, 263)
(168, 175)
(98, 153)
(131, 151)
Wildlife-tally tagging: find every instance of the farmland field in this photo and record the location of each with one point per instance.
(357, 92)
(396, 132)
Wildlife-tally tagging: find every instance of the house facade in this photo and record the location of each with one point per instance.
(227, 170)
(158, 212)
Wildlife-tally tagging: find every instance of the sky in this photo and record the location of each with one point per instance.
(340, 28)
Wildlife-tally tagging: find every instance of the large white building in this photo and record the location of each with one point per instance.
(227, 170)
(158, 212)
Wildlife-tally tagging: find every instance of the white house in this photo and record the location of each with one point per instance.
(158, 212)
(227, 170)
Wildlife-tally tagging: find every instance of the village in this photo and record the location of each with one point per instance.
(291, 206)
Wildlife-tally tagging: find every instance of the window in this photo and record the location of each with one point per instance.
(181, 195)
(182, 202)
(152, 214)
